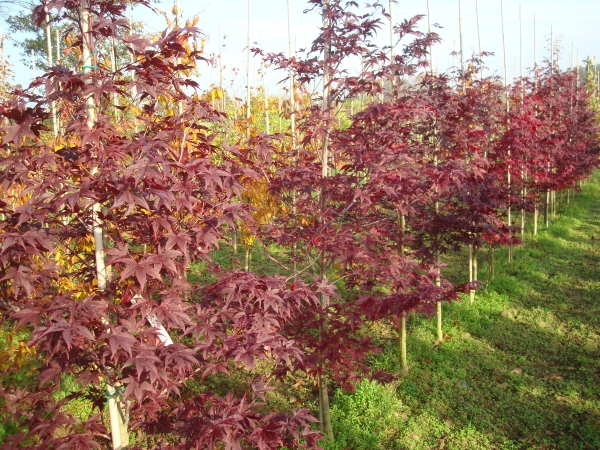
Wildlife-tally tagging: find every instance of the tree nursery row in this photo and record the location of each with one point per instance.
(119, 183)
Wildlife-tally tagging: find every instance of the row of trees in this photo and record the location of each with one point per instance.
(103, 217)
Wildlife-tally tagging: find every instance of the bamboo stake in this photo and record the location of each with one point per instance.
(429, 30)
(133, 88)
(393, 73)
(113, 68)
(2, 63)
(572, 54)
(462, 53)
(267, 127)
(292, 80)
(177, 17)
(221, 72)
(479, 35)
(248, 61)
(471, 293)
(32, 65)
(49, 47)
(535, 53)
(536, 211)
(292, 99)
(279, 99)
(552, 49)
(509, 218)
(523, 172)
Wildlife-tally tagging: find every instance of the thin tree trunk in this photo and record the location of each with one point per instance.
(327, 427)
(471, 267)
(120, 438)
(536, 213)
(492, 263)
(547, 210)
(440, 334)
(235, 241)
(247, 259)
(402, 333)
(475, 269)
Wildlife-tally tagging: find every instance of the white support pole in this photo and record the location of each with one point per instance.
(266, 98)
(509, 217)
(2, 62)
(248, 72)
(429, 31)
(32, 64)
(57, 46)
(504, 52)
(535, 70)
(479, 36)
(521, 44)
(552, 49)
(478, 27)
(462, 52)
(292, 80)
(49, 46)
(113, 68)
(221, 71)
(393, 74)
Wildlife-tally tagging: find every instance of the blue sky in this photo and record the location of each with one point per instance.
(576, 22)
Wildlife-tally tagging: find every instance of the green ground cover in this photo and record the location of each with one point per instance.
(519, 369)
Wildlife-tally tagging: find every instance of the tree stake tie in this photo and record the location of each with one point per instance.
(118, 391)
(83, 67)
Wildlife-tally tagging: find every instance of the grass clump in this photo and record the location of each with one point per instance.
(370, 418)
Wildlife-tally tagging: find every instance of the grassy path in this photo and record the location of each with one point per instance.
(520, 368)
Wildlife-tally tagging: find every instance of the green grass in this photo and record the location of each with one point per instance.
(519, 368)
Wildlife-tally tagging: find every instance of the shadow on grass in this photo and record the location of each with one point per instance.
(519, 368)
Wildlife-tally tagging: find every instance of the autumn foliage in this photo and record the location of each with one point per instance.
(420, 169)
